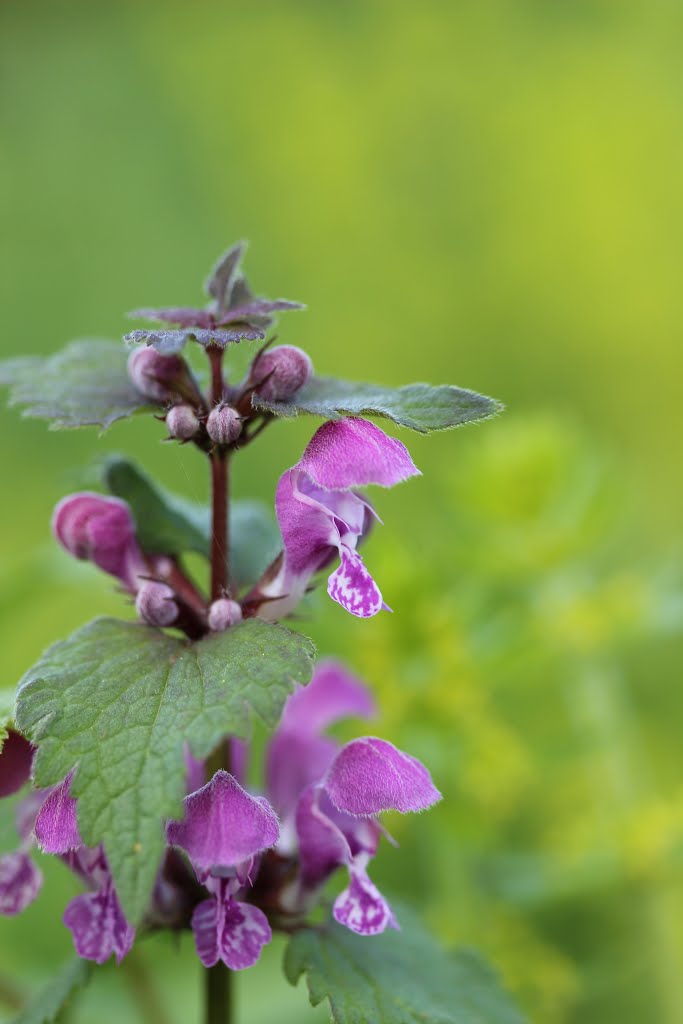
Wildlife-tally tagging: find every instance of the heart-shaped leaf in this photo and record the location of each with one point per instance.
(118, 700)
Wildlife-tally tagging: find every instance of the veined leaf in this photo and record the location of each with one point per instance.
(401, 977)
(421, 407)
(47, 1005)
(118, 700)
(86, 384)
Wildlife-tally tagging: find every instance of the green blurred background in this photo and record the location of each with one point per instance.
(487, 193)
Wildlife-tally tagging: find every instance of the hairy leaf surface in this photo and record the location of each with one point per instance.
(401, 977)
(421, 407)
(86, 384)
(118, 700)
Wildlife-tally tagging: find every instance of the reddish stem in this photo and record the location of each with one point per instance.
(219, 488)
(218, 1007)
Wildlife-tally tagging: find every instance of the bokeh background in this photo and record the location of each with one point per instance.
(487, 193)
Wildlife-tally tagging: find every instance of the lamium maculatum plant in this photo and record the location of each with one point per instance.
(131, 739)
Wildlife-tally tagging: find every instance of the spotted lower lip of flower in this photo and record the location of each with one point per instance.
(98, 927)
(20, 882)
(321, 516)
(229, 930)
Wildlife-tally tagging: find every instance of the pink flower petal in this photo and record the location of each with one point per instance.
(370, 775)
(230, 931)
(353, 452)
(223, 824)
(361, 907)
(20, 882)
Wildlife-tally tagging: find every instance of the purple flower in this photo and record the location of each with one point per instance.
(95, 919)
(102, 531)
(322, 518)
(56, 830)
(224, 829)
(20, 878)
(330, 797)
(20, 882)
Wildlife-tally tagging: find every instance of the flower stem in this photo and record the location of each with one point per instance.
(219, 524)
(218, 979)
(218, 1001)
(219, 488)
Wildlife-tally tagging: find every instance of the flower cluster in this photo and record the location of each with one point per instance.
(320, 813)
(240, 861)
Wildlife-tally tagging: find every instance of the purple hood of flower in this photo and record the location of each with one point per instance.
(223, 825)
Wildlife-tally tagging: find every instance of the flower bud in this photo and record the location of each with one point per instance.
(157, 376)
(223, 425)
(100, 529)
(224, 613)
(278, 373)
(155, 603)
(182, 422)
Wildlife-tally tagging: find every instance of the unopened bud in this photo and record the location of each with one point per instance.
(182, 422)
(279, 372)
(224, 613)
(91, 526)
(223, 425)
(157, 376)
(155, 603)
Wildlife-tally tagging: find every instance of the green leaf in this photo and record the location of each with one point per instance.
(421, 407)
(86, 384)
(165, 523)
(255, 540)
(50, 1001)
(401, 977)
(119, 699)
(169, 524)
(7, 699)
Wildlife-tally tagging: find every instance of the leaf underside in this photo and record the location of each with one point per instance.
(169, 524)
(402, 977)
(84, 385)
(420, 407)
(118, 700)
(55, 997)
